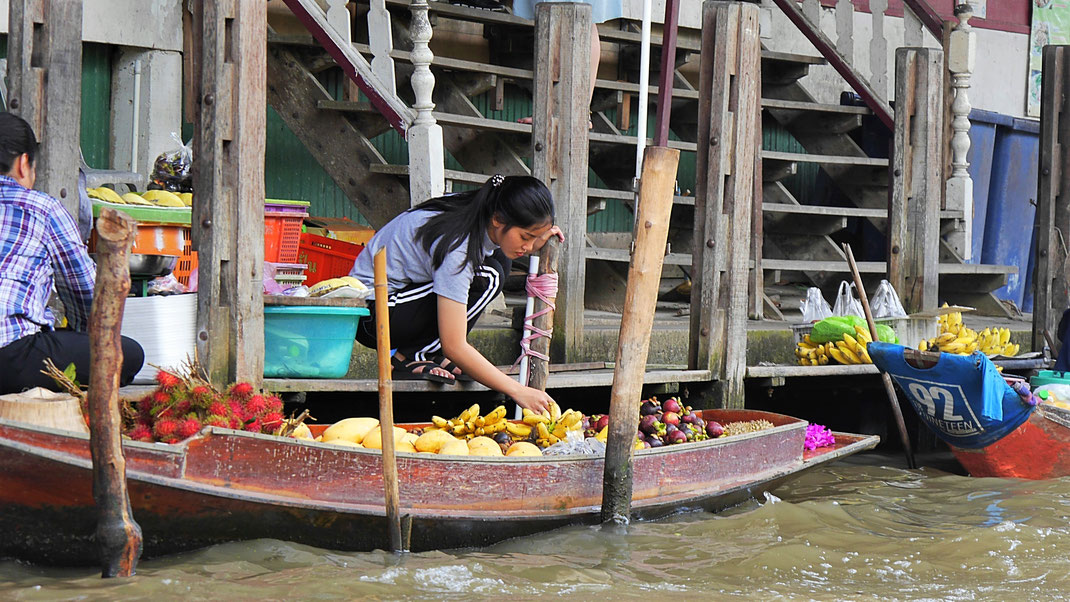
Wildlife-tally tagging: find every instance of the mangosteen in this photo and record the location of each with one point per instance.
(699, 423)
(673, 405)
(648, 408)
(603, 422)
(688, 418)
(670, 418)
(654, 441)
(676, 436)
(671, 428)
(502, 438)
(648, 424)
(714, 429)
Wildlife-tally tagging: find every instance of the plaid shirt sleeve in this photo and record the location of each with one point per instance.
(74, 270)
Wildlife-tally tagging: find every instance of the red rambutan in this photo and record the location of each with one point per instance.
(167, 380)
(274, 404)
(164, 428)
(256, 405)
(235, 423)
(237, 410)
(188, 428)
(253, 426)
(182, 408)
(272, 420)
(217, 420)
(218, 408)
(141, 433)
(160, 398)
(200, 390)
(241, 390)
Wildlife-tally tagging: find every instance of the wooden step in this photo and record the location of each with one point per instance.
(796, 265)
(840, 211)
(825, 159)
(796, 105)
(558, 380)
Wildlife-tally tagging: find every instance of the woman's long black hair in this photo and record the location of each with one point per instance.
(16, 139)
(518, 201)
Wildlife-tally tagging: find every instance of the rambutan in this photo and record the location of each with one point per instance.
(188, 428)
(167, 380)
(272, 420)
(241, 390)
(218, 408)
(253, 426)
(200, 390)
(160, 398)
(255, 406)
(274, 404)
(237, 410)
(164, 428)
(235, 423)
(217, 420)
(182, 408)
(141, 433)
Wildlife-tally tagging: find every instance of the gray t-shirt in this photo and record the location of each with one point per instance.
(407, 263)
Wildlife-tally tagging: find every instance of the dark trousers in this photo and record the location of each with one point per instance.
(414, 311)
(21, 361)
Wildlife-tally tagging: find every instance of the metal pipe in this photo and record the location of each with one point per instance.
(529, 308)
(644, 88)
(136, 116)
(668, 69)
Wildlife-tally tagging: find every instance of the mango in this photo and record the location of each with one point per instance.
(405, 446)
(484, 446)
(432, 441)
(523, 448)
(351, 429)
(374, 439)
(302, 432)
(454, 448)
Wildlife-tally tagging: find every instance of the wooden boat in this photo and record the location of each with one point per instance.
(225, 485)
(1038, 449)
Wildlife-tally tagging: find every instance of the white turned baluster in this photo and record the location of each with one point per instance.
(845, 29)
(338, 17)
(878, 49)
(812, 10)
(913, 37)
(427, 178)
(959, 190)
(380, 39)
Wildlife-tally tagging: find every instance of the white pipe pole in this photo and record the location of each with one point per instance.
(529, 308)
(136, 116)
(644, 90)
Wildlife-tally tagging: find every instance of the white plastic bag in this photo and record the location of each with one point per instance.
(172, 169)
(814, 307)
(886, 302)
(572, 444)
(846, 304)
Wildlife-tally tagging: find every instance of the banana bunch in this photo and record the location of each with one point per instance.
(851, 349)
(151, 198)
(552, 426)
(811, 353)
(997, 341)
(954, 337)
(469, 423)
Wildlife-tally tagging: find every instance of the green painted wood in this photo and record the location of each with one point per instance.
(96, 104)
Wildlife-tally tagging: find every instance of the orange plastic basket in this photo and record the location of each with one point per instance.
(282, 236)
(326, 257)
(187, 263)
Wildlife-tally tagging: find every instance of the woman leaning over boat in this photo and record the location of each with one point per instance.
(447, 259)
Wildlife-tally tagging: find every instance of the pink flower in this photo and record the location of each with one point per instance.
(818, 436)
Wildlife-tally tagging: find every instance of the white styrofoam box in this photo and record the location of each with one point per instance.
(165, 327)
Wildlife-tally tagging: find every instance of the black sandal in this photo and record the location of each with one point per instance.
(403, 370)
(444, 362)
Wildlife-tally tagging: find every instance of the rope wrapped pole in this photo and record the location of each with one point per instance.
(118, 535)
(386, 403)
(633, 343)
(543, 316)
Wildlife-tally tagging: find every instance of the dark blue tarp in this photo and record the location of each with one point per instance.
(963, 398)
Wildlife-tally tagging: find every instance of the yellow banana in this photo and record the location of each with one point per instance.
(480, 421)
(559, 431)
(1004, 336)
(851, 342)
(479, 432)
(555, 411)
(497, 427)
(849, 353)
(822, 359)
(945, 337)
(536, 419)
(496, 415)
(954, 348)
(803, 361)
(571, 419)
(861, 334)
(863, 354)
(522, 431)
(808, 341)
(440, 422)
(544, 433)
(839, 356)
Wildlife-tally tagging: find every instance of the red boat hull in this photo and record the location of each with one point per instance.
(226, 485)
(1038, 449)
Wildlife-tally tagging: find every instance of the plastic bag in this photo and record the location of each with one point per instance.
(572, 444)
(846, 304)
(814, 307)
(172, 169)
(886, 302)
(166, 285)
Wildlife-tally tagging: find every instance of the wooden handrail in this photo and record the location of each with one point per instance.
(928, 17)
(828, 50)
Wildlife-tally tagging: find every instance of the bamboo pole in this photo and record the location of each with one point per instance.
(118, 535)
(386, 403)
(888, 388)
(633, 343)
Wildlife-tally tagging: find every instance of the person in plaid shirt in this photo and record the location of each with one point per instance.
(39, 247)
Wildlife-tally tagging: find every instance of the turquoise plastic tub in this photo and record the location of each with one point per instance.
(309, 341)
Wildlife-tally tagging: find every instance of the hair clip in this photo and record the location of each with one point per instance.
(496, 180)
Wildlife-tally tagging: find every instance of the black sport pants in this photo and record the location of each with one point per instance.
(414, 311)
(21, 361)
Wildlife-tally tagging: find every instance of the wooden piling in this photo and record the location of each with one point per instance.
(651, 232)
(560, 149)
(386, 403)
(117, 534)
(228, 175)
(729, 109)
(917, 185)
(1050, 281)
(44, 48)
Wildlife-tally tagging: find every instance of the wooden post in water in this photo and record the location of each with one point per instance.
(656, 189)
(539, 370)
(230, 51)
(44, 65)
(386, 403)
(917, 184)
(1050, 280)
(559, 150)
(118, 536)
(729, 106)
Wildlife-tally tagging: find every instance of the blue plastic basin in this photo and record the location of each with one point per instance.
(309, 341)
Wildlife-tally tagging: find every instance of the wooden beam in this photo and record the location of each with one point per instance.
(1050, 279)
(917, 186)
(336, 144)
(560, 151)
(44, 66)
(228, 222)
(729, 106)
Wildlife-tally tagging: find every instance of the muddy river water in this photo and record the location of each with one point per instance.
(850, 531)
